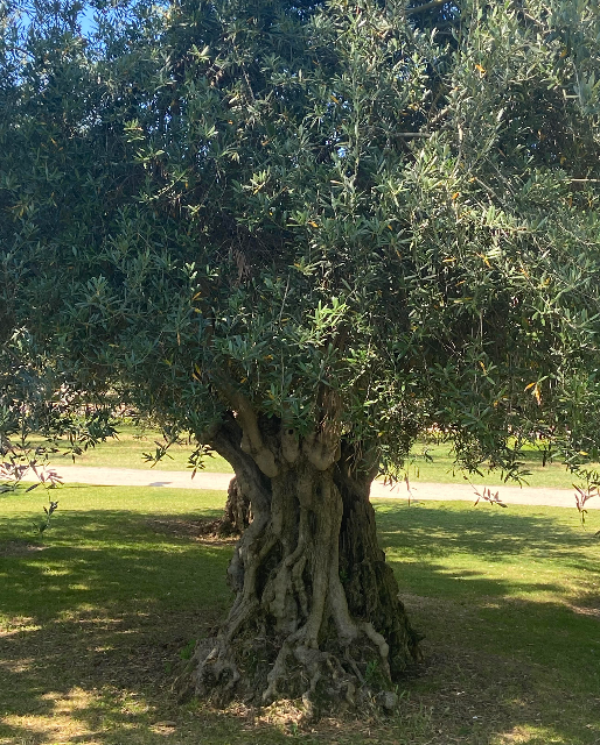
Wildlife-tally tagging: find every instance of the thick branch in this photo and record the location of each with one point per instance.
(252, 441)
(226, 440)
(424, 8)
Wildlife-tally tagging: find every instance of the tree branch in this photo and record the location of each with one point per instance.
(423, 8)
(226, 440)
(252, 441)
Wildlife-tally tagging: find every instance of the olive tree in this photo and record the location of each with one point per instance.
(308, 232)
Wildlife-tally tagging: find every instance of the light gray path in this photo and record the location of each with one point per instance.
(419, 491)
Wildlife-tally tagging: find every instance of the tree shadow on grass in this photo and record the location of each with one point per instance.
(510, 604)
(98, 623)
(440, 529)
(109, 560)
(106, 614)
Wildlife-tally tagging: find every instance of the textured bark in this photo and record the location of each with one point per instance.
(238, 511)
(316, 614)
(369, 582)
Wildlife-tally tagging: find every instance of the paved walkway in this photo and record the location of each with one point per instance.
(419, 490)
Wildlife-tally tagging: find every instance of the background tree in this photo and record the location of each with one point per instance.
(307, 232)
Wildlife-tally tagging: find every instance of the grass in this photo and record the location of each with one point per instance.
(127, 451)
(95, 620)
(433, 462)
(436, 466)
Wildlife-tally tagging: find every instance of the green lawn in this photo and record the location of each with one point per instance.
(95, 619)
(433, 462)
(127, 451)
(436, 466)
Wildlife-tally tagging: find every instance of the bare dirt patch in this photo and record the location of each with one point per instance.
(204, 531)
(590, 611)
(19, 548)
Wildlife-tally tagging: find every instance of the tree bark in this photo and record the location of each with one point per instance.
(316, 615)
(238, 510)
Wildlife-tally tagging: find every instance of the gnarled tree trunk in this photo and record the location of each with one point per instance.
(316, 613)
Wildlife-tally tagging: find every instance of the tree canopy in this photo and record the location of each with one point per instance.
(353, 212)
(351, 222)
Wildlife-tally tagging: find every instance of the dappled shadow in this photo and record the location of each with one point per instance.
(105, 558)
(495, 593)
(489, 556)
(104, 617)
(443, 528)
(100, 622)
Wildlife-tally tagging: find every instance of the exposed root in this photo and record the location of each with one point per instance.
(278, 672)
(220, 673)
(322, 678)
(381, 644)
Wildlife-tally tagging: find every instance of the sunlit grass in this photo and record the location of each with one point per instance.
(128, 448)
(434, 462)
(96, 615)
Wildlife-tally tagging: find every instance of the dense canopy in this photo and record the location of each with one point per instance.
(307, 232)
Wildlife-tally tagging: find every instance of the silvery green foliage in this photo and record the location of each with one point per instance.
(382, 215)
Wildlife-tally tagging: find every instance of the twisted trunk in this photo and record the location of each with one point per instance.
(316, 613)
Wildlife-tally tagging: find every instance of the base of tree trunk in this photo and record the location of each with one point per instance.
(317, 617)
(259, 670)
(237, 515)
